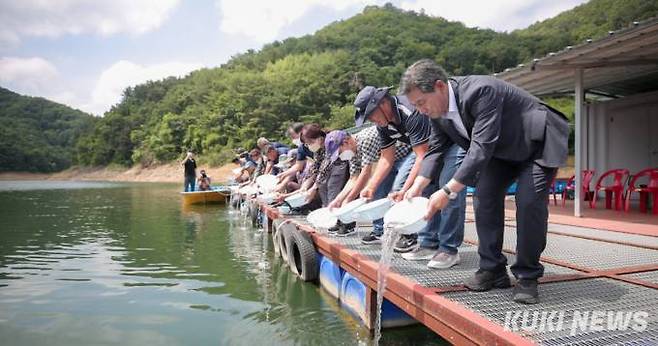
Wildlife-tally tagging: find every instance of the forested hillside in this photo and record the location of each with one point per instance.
(315, 78)
(38, 135)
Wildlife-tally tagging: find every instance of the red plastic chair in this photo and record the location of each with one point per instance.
(571, 185)
(617, 188)
(651, 188)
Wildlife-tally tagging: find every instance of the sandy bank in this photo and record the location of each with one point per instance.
(169, 173)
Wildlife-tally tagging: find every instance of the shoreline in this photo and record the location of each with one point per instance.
(166, 173)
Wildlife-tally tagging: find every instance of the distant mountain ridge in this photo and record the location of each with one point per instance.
(37, 135)
(315, 78)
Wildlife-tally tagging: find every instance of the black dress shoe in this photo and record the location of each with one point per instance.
(484, 280)
(525, 292)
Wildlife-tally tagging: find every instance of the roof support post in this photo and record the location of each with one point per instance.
(578, 132)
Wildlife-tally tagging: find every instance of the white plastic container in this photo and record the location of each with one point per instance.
(322, 218)
(267, 198)
(266, 183)
(283, 209)
(374, 210)
(248, 190)
(297, 200)
(407, 216)
(346, 213)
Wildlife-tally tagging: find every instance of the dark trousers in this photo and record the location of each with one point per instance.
(337, 177)
(189, 183)
(531, 215)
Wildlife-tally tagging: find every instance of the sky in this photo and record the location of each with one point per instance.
(84, 53)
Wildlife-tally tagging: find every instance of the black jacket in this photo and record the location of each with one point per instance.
(503, 121)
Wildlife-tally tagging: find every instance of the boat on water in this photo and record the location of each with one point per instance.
(216, 195)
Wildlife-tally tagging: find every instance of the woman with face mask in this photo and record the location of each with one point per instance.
(312, 137)
(334, 173)
(303, 152)
(256, 156)
(333, 178)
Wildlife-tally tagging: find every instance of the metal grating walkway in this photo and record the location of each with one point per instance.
(605, 257)
(635, 239)
(573, 299)
(428, 277)
(651, 276)
(584, 253)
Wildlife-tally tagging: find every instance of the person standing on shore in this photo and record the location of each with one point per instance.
(190, 171)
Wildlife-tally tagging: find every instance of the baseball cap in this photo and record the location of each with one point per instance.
(332, 142)
(366, 102)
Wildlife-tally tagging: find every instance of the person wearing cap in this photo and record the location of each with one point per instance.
(362, 152)
(332, 177)
(341, 171)
(397, 121)
(509, 136)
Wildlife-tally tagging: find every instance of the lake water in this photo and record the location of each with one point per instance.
(85, 263)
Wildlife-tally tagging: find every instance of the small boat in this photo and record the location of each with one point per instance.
(211, 196)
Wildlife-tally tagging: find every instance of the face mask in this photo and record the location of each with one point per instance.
(315, 147)
(297, 142)
(346, 155)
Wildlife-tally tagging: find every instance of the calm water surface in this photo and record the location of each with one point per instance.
(107, 263)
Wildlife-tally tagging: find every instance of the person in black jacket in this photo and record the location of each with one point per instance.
(509, 135)
(190, 171)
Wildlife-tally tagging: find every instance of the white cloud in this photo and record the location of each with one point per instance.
(35, 77)
(30, 76)
(44, 18)
(263, 20)
(114, 80)
(500, 15)
(39, 77)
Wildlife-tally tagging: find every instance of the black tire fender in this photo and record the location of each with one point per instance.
(284, 231)
(254, 214)
(275, 238)
(302, 257)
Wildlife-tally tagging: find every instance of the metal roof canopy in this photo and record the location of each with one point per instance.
(623, 63)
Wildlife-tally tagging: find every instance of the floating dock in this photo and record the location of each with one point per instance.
(599, 287)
